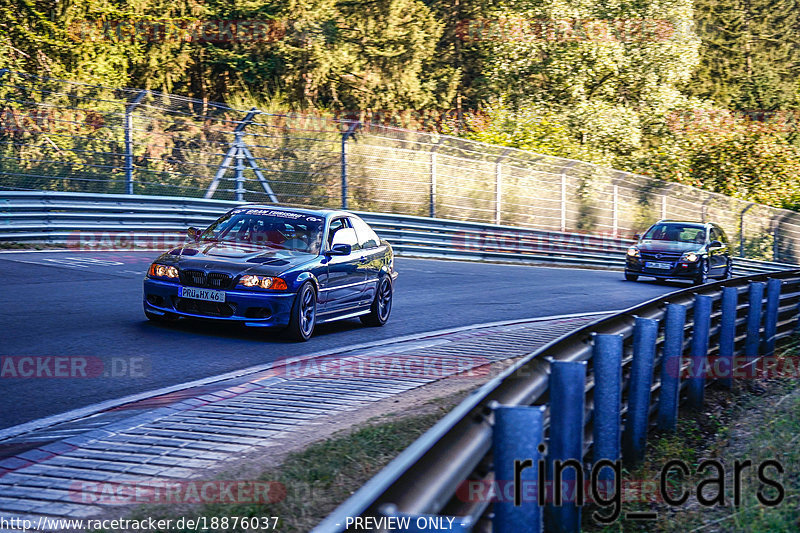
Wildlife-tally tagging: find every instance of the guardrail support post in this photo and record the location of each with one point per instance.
(671, 361)
(518, 434)
(771, 316)
(565, 451)
(634, 437)
(727, 336)
(607, 366)
(755, 297)
(699, 354)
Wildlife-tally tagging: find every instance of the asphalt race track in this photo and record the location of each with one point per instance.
(89, 304)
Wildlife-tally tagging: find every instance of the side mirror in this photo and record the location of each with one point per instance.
(715, 245)
(637, 236)
(193, 233)
(340, 249)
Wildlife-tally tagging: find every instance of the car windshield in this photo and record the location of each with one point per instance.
(282, 230)
(677, 233)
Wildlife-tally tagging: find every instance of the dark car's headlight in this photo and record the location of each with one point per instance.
(690, 257)
(162, 271)
(262, 282)
(633, 252)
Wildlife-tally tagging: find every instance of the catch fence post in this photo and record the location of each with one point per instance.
(346, 135)
(129, 140)
(671, 363)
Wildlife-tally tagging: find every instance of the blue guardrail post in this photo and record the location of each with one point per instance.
(727, 336)
(755, 296)
(699, 355)
(671, 360)
(771, 316)
(518, 433)
(607, 366)
(634, 438)
(565, 450)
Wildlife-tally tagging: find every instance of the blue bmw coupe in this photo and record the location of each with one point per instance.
(269, 266)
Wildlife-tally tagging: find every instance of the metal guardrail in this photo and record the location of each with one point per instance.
(628, 378)
(94, 219)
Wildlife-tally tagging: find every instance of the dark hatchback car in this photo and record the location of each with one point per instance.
(266, 266)
(671, 249)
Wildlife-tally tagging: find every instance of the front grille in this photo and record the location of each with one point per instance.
(201, 307)
(210, 280)
(665, 256)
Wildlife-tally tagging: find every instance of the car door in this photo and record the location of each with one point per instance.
(344, 280)
(717, 259)
(370, 258)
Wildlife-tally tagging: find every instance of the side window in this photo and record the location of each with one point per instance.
(336, 225)
(715, 236)
(366, 237)
(721, 236)
(341, 233)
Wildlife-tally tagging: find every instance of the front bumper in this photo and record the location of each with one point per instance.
(262, 309)
(678, 269)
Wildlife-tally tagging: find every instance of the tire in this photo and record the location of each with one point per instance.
(631, 277)
(160, 318)
(304, 314)
(382, 304)
(728, 270)
(702, 277)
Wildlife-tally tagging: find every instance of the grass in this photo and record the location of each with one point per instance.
(759, 421)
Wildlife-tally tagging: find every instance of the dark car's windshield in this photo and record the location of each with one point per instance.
(283, 230)
(677, 233)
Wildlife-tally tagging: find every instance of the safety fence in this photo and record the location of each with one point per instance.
(128, 222)
(581, 405)
(65, 136)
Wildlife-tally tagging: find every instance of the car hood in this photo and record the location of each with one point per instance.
(236, 258)
(668, 246)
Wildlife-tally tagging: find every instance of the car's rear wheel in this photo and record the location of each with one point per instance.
(702, 273)
(304, 314)
(381, 304)
(728, 270)
(631, 277)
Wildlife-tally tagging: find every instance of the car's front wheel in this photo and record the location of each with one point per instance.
(702, 273)
(304, 313)
(381, 305)
(631, 277)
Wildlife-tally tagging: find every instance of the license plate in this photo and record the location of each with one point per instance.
(654, 264)
(201, 294)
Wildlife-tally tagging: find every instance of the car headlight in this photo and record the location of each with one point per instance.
(691, 257)
(263, 282)
(162, 271)
(633, 251)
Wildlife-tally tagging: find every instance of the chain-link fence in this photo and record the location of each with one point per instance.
(59, 135)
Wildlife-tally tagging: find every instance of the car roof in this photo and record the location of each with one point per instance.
(318, 212)
(688, 222)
